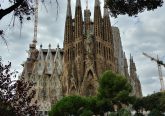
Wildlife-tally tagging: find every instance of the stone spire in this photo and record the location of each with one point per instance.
(58, 55)
(125, 66)
(49, 61)
(78, 3)
(68, 25)
(107, 25)
(87, 15)
(130, 64)
(49, 54)
(40, 55)
(41, 62)
(132, 68)
(106, 12)
(107, 36)
(69, 12)
(97, 19)
(78, 20)
(58, 60)
(97, 3)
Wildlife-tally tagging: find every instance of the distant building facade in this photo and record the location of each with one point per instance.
(90, 48)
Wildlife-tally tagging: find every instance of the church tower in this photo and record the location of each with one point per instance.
(88, 49)
(78, 45)
(98, 37)
(134, 79)
(68, 49)
(108, 46)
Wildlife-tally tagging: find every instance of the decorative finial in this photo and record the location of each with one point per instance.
(34, 40)
(58, 46)
(49, 46)
(86, 4)
(41, 46)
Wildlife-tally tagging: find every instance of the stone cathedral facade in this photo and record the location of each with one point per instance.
(89, 49)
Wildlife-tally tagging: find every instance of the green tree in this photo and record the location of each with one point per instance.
(155, 112)
(86, 113)
(138, 114)
(162, 102)
(139, 104)
(114, 89)
(124, 112)
(154, 103)
(69, 105)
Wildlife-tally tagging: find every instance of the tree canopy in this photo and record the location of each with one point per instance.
(113, 90)
(114, 87)
(154, 103)
(116, 7)
(69, 105)
(132, 7)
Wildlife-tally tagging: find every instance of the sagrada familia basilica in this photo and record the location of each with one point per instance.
(89, 49)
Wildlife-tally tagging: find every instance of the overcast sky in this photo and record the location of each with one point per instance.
(145, 33)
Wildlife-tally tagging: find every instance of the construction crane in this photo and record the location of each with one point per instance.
(35, 22)
(34, 41)
(159, 63)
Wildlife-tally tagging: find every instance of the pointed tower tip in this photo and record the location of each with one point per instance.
(106, 12)
(69, 13)
(58, 46)
(97, 3)
(124, 55)
(130, 58)
(49, 46)
(78, 3)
